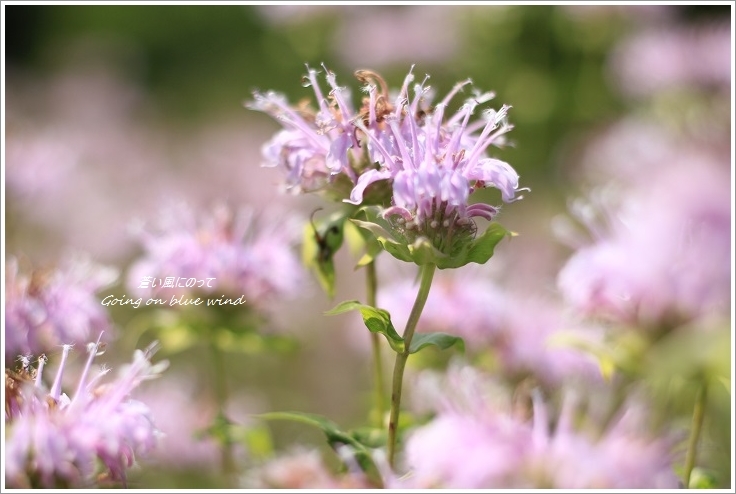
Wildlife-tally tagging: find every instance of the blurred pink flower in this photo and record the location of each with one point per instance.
(56, 441)
(378, 36)
(477, 444)
(301, 468)
(624, 457)
(77, 154)
(663, 58)
(245, 253)
(46, 309)
(458, 451)
(664, 257)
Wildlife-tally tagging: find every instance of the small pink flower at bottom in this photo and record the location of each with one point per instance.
(482, 446)
(302, 469)
(90, 439)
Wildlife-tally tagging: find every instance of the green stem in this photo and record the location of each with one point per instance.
(696, 428)
(378, 387)
(221, 395)
(427, 273)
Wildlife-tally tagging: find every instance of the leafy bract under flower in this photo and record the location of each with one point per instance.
(445, 248)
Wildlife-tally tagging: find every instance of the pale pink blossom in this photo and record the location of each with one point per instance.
(664, 255)
(88, 439)
(224, 250)
(44, 309)
(477, 443)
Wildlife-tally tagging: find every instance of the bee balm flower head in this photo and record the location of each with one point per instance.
(53, 440)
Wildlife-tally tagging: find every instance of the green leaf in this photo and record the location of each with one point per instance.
(376, 320)
(372, 249)
(481, 249)
(319, 245)
(335, 437)
(441, 340)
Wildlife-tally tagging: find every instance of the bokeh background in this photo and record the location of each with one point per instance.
(111, 111)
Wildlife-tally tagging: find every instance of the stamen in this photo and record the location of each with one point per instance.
(55, 392)
(92, 350)
(41, 363)
(25, 361)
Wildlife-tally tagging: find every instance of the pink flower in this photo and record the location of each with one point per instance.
(314, 146)
(383, 36)
(624, 457)
(664, 257)
(242, 252)
(434, 164)
(666, 58)
(46, 309)
(477, 444)
(53, 440)
(465, 452)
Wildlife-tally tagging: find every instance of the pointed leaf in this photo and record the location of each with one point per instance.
(372, 249)
(319, 245)
(376, 320)
(441, 340)
(378, 230)
(482, 247)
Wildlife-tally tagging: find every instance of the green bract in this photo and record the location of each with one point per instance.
(421, 251)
